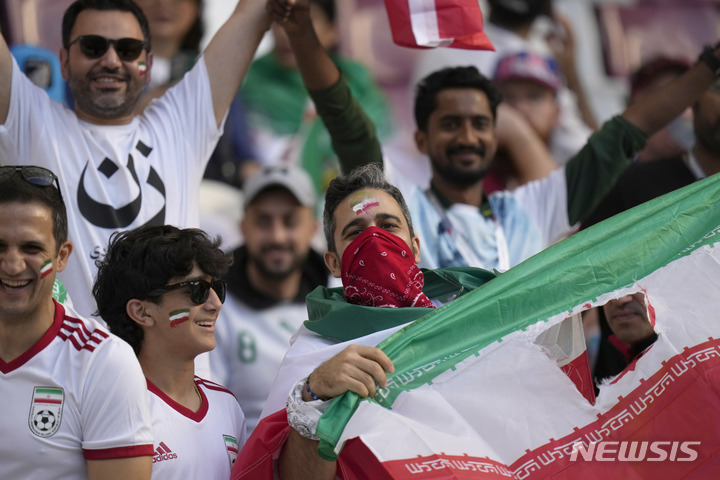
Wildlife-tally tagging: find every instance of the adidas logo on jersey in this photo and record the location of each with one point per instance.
(163, 452)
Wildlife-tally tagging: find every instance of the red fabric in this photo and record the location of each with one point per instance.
(459, 21)
(255, 461)
(578, 371)
(379, 270)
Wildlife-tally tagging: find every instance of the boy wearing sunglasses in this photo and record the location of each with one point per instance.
(121, 170)
(158, 288)
(73, 395)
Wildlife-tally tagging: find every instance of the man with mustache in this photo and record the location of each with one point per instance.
(632, 332)
(122, 170)
(271, 275)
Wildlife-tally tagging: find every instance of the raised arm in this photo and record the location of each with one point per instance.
(653, 111)
(562, 44)
(5, 79)
(353, 133)
(528, 155)
(594, 170)
(231, 50)
(358, 369)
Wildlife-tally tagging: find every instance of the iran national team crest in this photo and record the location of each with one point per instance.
(231, 444)
(46, 411)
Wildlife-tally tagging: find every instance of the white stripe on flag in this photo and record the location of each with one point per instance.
(424, 21)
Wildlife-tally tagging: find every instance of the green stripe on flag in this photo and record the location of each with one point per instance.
(610, 255)
(49, 391)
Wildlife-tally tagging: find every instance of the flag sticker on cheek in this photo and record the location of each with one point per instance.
(46, 268)
(179, 316)
(142, 68)
(362, 207)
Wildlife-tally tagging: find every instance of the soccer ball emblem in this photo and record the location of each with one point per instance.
(44, 420)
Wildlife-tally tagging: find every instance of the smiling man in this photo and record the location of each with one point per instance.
(70, 389)
(158, 289)
(271, 275)
(122, 170)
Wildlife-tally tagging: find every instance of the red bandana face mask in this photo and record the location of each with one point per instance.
(378, 270)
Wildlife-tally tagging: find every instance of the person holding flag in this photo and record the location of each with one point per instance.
(158, 289)
(358, 368)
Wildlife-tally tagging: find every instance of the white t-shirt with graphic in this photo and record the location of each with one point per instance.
(78, 394)
(202, 444)
(250, 347)
(115, 177)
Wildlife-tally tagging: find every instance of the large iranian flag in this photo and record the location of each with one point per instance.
(478, 391)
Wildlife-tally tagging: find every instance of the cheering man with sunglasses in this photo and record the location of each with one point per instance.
(122, 170)
(74, 401)
(158, 288)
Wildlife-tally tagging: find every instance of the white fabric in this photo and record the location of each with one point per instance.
(157, 160)
(531, 218)
(104, 401)
(307, 352)
(194, 444)
(571, 133)
(250, 347)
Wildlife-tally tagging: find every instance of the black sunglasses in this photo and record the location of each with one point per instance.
(39, 176)
(95, 46)
(199, 290)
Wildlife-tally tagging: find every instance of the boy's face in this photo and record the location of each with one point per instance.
(363, 209)
(180, 326)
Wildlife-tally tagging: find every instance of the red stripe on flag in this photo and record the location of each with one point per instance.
(39, 400)
(460, 20)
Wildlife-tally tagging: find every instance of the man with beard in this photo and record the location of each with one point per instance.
(271, 275)
(123, 170)
(456, 115)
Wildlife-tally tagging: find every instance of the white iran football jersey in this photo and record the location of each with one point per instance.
(202, 444)
(78, 394)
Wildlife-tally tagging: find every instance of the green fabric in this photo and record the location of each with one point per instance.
(605, 257)
(592, 172)
(276, 100)
(331, 316)
(59, 292)
(353, 133)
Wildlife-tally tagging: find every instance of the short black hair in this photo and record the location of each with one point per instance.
(14, 189)
(367, 176)
(72, 12)
(142, 260)
(450, 78)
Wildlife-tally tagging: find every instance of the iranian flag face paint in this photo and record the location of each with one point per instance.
(179, 316)
(361, 202)
(46, 268)
(142, 68)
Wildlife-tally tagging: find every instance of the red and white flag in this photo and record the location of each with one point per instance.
(437, 23)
